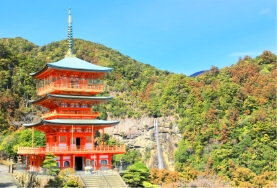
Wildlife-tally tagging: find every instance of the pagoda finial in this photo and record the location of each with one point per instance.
(69, 34)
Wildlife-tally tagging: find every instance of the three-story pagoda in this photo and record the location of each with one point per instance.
(68, 90)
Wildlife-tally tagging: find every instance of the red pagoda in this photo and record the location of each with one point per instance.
(68, 90)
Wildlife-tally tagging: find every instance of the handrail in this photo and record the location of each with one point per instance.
(72, 112)
(80, 179)
(58, 149)
(117, 174)
(71, 85)
(105, 178)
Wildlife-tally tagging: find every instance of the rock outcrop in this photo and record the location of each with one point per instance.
(29, 180)
(139, 134)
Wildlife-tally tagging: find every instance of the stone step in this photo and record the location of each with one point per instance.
(106, 179)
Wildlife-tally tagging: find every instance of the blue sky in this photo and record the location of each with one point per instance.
(180, 36)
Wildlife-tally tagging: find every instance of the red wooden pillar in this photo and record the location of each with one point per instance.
(35, 162)
(68, 143)
(51, 141)
(110, 161)
(82, 141)
(39, 161)
(61, 162)
(92, 137)
(31, 162)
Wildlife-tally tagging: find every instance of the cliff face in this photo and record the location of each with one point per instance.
(140, 134)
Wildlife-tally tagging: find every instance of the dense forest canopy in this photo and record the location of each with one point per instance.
(227, 117)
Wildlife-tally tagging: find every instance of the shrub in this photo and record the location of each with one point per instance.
(163, 176)
(50, 164)
(136, 174)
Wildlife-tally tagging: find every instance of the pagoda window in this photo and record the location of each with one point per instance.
(72, 84)
(62, 138)
(40, 83)
(92, 162)
(87, 162)
(66, 164)
(103, 162)
(76, 84)
(47, 81)
(84, 105)
(90, 82)
(77, 105)
(64, 104)
(72, 105)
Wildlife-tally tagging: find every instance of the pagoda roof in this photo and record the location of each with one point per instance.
(74, 63)
(77, 97)
(70, 122)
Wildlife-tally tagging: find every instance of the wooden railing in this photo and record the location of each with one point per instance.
(48, 88)
(117, 149)
(71, 113)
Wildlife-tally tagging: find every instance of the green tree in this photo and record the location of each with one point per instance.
(136, 174)
(51, 165)
(21, 137)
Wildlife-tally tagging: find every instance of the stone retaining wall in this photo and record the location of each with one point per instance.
(31, 180)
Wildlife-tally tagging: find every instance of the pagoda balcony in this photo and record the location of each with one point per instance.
(70, 88)
(56, 150)
(71, 113)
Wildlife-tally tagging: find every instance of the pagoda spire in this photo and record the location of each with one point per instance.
(69, 35)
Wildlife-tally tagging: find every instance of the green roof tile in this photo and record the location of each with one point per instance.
(78, 64)
(74, 63)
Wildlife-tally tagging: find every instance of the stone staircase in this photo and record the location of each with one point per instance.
(103, 180)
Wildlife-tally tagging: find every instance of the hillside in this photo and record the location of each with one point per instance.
(223, 121)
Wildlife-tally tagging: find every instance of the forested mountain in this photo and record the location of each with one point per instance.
(227, 117)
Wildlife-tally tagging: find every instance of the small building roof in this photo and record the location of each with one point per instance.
(74, 63)
(70, 122)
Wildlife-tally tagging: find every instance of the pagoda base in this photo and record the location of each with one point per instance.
(78, 162)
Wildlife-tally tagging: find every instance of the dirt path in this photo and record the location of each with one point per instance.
(6, 179)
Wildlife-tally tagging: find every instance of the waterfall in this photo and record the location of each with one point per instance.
(159, 149)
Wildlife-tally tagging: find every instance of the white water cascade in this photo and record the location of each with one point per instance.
(159, 149)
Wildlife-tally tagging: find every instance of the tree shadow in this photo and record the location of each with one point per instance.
(8, 185)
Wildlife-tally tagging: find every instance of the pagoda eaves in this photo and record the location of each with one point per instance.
(70, 122)
(75, 98)
(73, 64)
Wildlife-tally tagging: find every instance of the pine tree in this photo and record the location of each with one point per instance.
(50, 164)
